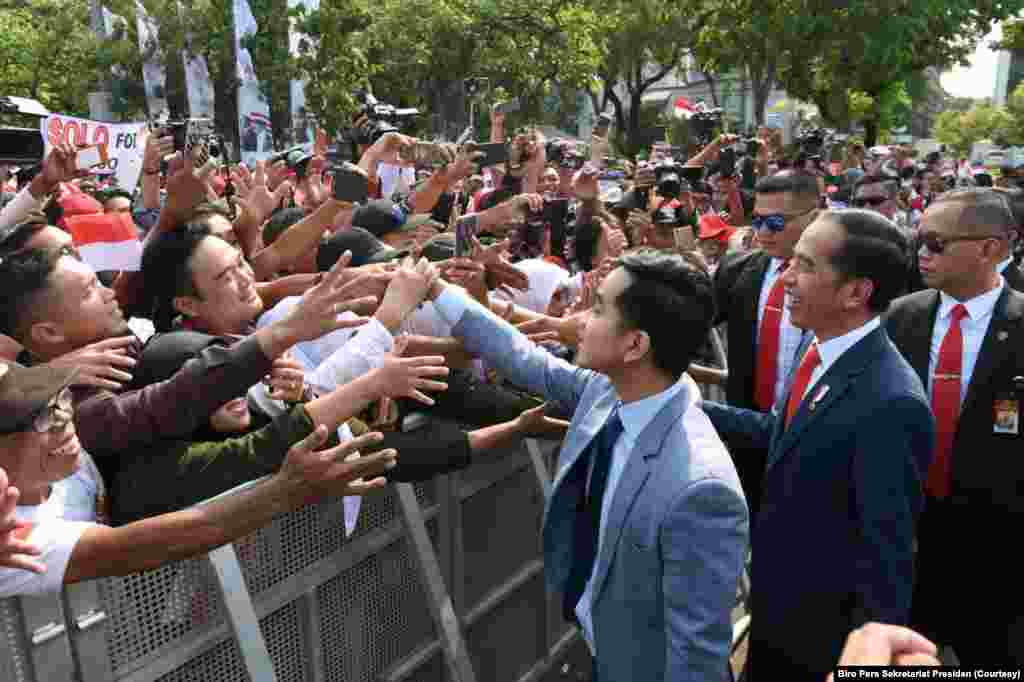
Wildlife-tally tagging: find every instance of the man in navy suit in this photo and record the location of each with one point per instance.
(847, 445)
(646, 529)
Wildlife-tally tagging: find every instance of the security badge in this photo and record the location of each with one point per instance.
(1006, 410)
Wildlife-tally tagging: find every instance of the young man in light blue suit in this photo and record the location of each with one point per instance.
(646, 528)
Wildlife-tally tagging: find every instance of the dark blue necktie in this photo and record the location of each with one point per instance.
(588, 517)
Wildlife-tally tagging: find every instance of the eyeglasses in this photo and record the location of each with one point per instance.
(937, 245)
(55, 415)
(874, 202)
(776, 222)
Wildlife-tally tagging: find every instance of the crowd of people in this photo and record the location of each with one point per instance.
(866, 448)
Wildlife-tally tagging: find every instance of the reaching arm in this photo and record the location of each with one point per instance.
(109, 424)
(753, 427)
(275, 291)
(704, 540)
(485, 335)
(307, 476)
(296, 241)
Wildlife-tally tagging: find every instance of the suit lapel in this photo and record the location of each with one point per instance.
(826, 392)
(916, 344)
(997, 344)
(563, 504)
(637, 471)
(749, 284)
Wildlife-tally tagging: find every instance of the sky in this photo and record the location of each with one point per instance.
(978, 79)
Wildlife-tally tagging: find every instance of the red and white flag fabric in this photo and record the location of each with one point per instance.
(683, 108)
(107, 241)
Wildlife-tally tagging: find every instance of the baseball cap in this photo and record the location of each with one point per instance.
(365, 247)
(24, 391)
(439, 247)
(379, 217)
(713, 226)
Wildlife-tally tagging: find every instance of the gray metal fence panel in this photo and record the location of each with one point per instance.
(306, 603)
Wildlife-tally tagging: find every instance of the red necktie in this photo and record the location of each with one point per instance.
(946, 404)
(767, 369)
(803, 378)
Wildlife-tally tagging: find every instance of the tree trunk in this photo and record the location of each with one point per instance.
(633, 134)
(709, 77)
(761, 87)
(870, 132)
(620, 114)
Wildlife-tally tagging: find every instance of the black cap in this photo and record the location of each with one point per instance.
(440, 247)
(379, 217)
(164, 354)
(24, 391)
(365, 248)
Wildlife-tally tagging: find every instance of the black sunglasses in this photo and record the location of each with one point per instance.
(775, 222)
(937, 245)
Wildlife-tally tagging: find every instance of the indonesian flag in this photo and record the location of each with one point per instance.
(683, 108)
(107, 241)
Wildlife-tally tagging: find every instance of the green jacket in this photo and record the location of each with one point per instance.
(175, 474)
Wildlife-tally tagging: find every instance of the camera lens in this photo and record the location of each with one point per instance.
(669, 185)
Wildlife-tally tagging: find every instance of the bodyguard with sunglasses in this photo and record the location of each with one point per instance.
(965, 338)
(749, 296)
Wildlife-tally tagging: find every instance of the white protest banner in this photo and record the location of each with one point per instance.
(126, 144)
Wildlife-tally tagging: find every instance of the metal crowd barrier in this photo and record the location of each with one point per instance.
(440, 581)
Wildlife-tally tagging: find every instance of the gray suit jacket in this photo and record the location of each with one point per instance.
(677, 530)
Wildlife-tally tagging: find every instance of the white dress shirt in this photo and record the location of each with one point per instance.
(973, 329)
(830, 351)
(789, 336)
(328, 362)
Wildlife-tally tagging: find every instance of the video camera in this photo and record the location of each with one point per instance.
(375, 119)
(704, 122)
(197, 137)
(564, 155)
(668, 179)
(813, 144)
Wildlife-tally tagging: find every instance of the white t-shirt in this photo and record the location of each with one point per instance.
(545, 279)
(395, 178)
(58, 525)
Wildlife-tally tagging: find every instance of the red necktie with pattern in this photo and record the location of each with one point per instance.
(803, 379)
(767, 369)
(946, 404)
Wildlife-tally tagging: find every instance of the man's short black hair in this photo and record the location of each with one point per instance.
(15, 239)
(167, 273)
(106, 195)
(892, 184)
(281, 220)
(873, 248)
(586, 237)
(982, 206)
(798, 183)
(24, 278)
(670, 299)
(1015, 200)
(210, 208)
